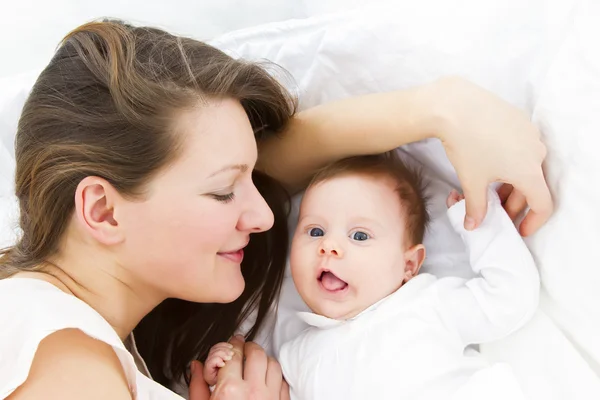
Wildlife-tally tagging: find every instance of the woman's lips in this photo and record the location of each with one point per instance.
(234, 256)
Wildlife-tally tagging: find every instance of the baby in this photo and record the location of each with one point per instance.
(379, 329)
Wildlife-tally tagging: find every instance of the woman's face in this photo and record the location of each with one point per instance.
(186, 239)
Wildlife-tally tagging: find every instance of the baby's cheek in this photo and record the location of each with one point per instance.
(379, 283)
(302, 268)
(300, 255)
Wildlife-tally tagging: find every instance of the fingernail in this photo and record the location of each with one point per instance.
(469, 223)
(230, 345)
(240, 337)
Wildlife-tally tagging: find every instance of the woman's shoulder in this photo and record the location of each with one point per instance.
(45, 329)
(69, 364)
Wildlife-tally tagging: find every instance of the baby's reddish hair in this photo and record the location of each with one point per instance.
(408, 182)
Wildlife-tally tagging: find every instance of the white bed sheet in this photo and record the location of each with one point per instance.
(540, 55)
(31, 29)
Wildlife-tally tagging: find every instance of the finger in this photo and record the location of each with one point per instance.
(285, 391)
(504, 191)
(222, 355)
(540, 203)
(234, 367)
(274, 378)
(255, 369)
(220, 348)
(198, 387)
(515, 204)
(476, 205)
(210, 375)
(215, 362)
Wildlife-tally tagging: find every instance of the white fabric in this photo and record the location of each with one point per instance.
(33, 28)
(412, 343)
(541, 55)
(44, 309)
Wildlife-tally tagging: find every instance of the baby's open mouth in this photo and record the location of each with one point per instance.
(331, 282)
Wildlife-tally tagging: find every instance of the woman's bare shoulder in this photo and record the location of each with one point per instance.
(68, 364)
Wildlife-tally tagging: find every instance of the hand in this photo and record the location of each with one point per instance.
(489, 140)
(217, 357)
(258, 377)
(513, 201)
(198, 387)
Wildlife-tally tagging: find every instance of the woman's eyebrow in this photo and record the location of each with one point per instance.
(240, 167)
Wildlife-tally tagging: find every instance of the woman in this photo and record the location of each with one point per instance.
(135, 156)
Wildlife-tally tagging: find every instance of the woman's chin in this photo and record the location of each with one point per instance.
(223, 289)
(230, 291)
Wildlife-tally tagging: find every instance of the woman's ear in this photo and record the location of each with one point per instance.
(95, 199)
(413, 259)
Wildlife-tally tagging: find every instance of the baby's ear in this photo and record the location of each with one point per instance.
(413, 259)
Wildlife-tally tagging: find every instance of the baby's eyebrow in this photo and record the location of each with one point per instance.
(303, 217)
(366, 222)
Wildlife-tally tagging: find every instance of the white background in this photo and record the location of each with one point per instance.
(30, 30)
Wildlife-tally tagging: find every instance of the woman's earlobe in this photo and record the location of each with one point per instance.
(94, 208)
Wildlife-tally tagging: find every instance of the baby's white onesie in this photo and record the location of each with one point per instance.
(413, 343)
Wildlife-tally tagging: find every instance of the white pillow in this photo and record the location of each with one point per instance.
(539, 55)
(567, 109)
(31, 30)
(13, 93)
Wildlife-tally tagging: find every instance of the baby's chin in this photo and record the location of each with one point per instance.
(337, 312)
(344, 310)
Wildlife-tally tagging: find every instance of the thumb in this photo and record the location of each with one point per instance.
(198, 386)
(476, 205)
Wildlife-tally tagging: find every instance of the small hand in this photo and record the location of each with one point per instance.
(453, 198)
(250, 374)
(217, 357)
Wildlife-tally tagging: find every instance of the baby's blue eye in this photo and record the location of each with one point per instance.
(316, 232)
(360, 236)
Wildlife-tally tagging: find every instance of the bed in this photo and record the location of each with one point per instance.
(540, 55)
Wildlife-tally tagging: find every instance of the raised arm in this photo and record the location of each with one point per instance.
(486, 140)
(368, 124)
(505, 292)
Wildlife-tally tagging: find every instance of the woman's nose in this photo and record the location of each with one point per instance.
(258, 216)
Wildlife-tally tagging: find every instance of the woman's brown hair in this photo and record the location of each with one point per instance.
(104, 107)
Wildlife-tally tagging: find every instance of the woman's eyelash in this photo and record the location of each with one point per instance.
(224, 198)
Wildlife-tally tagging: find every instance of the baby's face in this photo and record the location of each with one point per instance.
(348, 251)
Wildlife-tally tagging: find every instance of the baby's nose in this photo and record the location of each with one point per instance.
(328, 248)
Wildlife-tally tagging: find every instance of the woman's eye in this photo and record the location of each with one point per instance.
(224, 198)
(360, 236)
(316, 232)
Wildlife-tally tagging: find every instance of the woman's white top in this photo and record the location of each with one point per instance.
(32, 309)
